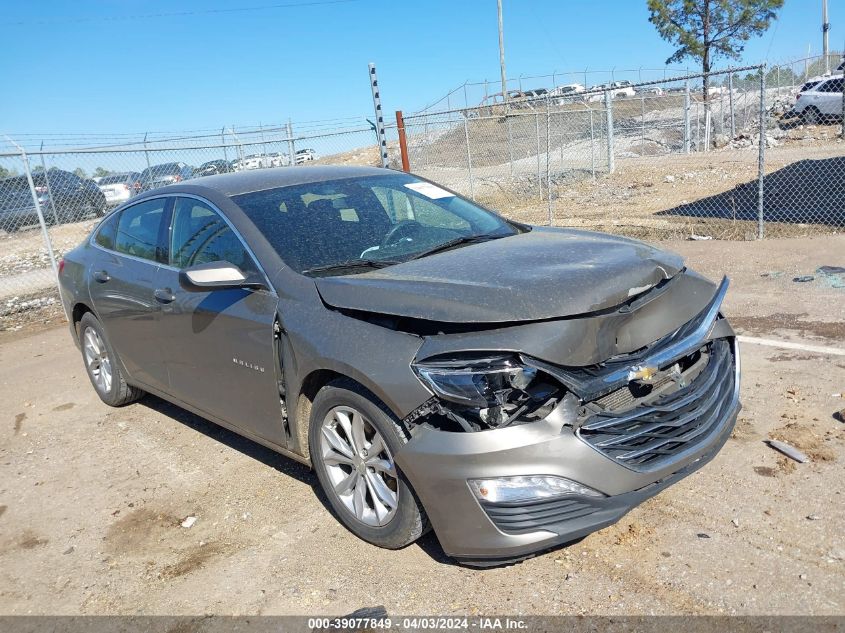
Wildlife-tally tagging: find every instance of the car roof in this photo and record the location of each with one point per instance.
(262, 179)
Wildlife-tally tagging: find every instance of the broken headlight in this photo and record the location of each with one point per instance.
(483, 382)
(490, 391)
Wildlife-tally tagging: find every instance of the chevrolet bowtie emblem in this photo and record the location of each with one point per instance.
(642, 372)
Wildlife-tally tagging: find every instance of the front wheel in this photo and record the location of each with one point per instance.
(103, 366)
(352, 441)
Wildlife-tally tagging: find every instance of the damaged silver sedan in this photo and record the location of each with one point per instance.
(512, 387)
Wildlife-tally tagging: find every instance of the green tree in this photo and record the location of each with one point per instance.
(80, 172)
(7, 173)
(100, 172)
(708, 29)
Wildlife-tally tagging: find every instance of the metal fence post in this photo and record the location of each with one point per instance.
(686, 118)
(761, 161)
(731, 102)
(510, 141)
(469, 161)
(548, 155)
(592, 144)
(291, 146)
(45, 234)
(223, 142)
(47, 182)
(539, 177)
(146, 153)
(608, 104)
(642, 129)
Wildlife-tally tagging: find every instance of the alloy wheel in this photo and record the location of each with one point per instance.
(359, 465)
(97, 360)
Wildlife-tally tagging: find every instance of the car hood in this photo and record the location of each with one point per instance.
(541, 274)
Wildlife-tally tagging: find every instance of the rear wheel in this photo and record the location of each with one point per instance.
(352, 440)
(103, 365)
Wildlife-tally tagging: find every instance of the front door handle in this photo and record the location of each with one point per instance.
(101, 276)
(164, 295)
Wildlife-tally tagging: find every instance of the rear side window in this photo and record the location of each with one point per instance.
(106, 233)
(200, 236)
(138, 229)
(834, 85)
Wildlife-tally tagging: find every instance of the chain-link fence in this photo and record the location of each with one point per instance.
(653, 160)
(50, 199)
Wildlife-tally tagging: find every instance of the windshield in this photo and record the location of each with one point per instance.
(375, 219)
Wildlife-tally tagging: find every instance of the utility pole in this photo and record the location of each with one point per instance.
(502, 53)
(825, 30)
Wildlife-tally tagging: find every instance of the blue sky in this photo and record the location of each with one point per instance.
(67, 68)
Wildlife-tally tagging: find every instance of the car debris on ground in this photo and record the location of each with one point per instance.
(789, 451)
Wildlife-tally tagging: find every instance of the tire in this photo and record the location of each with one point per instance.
(345, 398)
(99, 205)
(810, 115)
(103, 366)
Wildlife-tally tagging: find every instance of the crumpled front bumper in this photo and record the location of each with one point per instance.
(438, 464)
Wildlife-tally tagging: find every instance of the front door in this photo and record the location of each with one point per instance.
(219, 344)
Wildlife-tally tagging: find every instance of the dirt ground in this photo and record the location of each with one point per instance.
(92, 498)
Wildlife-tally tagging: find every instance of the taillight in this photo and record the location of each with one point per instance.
(125, 186)
(137, 186)
(177, 178)
(61, 265)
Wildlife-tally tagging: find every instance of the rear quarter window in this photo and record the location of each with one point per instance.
(105, 234)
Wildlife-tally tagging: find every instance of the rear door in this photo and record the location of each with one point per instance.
(219, 345)
(830, 96)
(129, 248)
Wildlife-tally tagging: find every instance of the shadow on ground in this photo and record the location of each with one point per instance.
(804, 192)
(427, 543)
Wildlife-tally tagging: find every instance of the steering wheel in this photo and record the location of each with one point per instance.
(401, 230)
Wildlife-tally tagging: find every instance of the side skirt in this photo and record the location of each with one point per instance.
(231, 427)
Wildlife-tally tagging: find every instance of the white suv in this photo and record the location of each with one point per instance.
(821, 101)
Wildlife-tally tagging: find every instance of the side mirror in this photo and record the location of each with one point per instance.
(214, 276)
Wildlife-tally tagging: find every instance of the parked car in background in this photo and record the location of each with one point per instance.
(821, 102)
(305, 155)
(255, 161)
(567, 93)
(617, 89)
(62, 196)
(212, 168)
(279, 159)
(164, 174)
(118, 188)
(514, 387)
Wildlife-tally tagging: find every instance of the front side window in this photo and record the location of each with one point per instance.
(372, 220)
(138, 230)
(198, 235)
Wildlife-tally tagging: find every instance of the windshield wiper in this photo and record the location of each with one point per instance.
(458, 241)
(351, 265)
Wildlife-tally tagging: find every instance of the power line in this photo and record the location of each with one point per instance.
(113, 18)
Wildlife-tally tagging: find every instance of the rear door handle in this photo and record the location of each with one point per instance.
(164, 295)
(101, 276)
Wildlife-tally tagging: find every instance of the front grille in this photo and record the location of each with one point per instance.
(530, 517)
(653, 431)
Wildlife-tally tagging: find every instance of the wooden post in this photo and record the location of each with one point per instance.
(403, 141)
